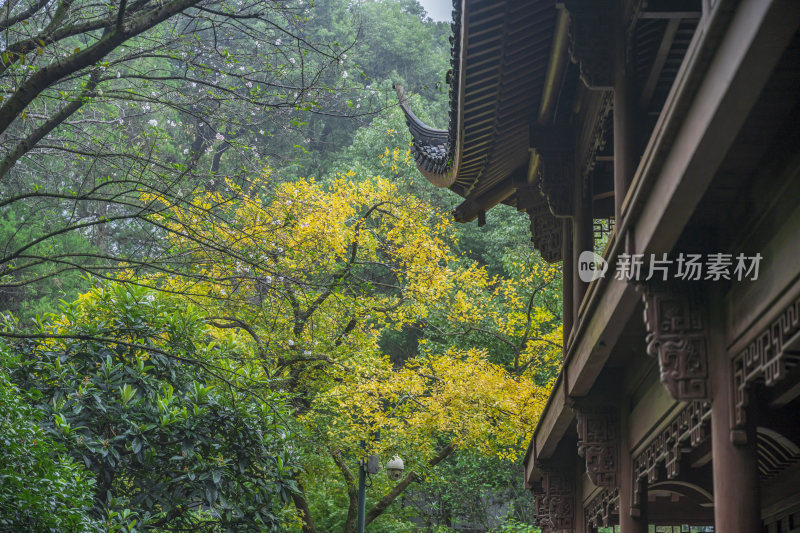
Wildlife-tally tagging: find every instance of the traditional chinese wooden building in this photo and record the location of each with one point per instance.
(676, 123)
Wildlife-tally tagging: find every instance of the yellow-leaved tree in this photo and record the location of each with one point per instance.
(317, 273)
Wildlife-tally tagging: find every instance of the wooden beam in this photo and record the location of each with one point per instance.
(670, 9)
(663, 201)
(671, 15)
(658, 62)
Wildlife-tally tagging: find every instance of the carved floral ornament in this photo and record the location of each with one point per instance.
(677, 337)
(555, 501)
(546, 230)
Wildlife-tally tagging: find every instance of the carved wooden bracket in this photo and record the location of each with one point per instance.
(676, 334)
(688, 427)
(591, 35)
(555, 501)
(598, 442)
(546, 230)
(767, 359)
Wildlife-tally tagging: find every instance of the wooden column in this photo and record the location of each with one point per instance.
(737, 501)
(624, 114)
(631, 520)
(568, 268)
(580, 517)
(582, 237)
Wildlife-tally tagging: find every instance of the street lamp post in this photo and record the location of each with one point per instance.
(362, 495)
(371, 465)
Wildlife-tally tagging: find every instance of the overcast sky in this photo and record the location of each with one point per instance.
(438, 9)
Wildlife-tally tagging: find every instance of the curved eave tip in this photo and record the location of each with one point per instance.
(446, 179)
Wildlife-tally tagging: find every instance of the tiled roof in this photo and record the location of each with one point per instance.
(495, 90)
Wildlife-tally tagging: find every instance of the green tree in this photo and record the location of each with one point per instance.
(41, 487)
(178, 432)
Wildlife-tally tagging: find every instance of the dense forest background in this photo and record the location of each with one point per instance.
(223, 281)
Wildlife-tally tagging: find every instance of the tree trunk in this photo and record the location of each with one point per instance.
(352, 492)
(302, 505)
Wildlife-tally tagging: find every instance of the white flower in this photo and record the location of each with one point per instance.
(150, 297)
(194, 84)
(153, 122)
(344, 74)
(118, 74)
(372, 92)
(261, 132)
(220, 137)
(249, 83)
(292, 60)
(185, 151)
(241, 68)
(358, 106)
(278, 42)
(341, 61)
(268, 279)
(291, 342)
(307, 352)
(344, 56)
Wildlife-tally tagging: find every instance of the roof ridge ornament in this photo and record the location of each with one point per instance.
(431, 147)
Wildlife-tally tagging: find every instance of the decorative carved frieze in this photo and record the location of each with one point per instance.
(767, 360)
(676, 335)
(601, 130)
(556, 171)
(603, 509)
(687, 429)
(556, 178)
(598, 442)
(555, 501)
(546, 230)
(591, 45)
